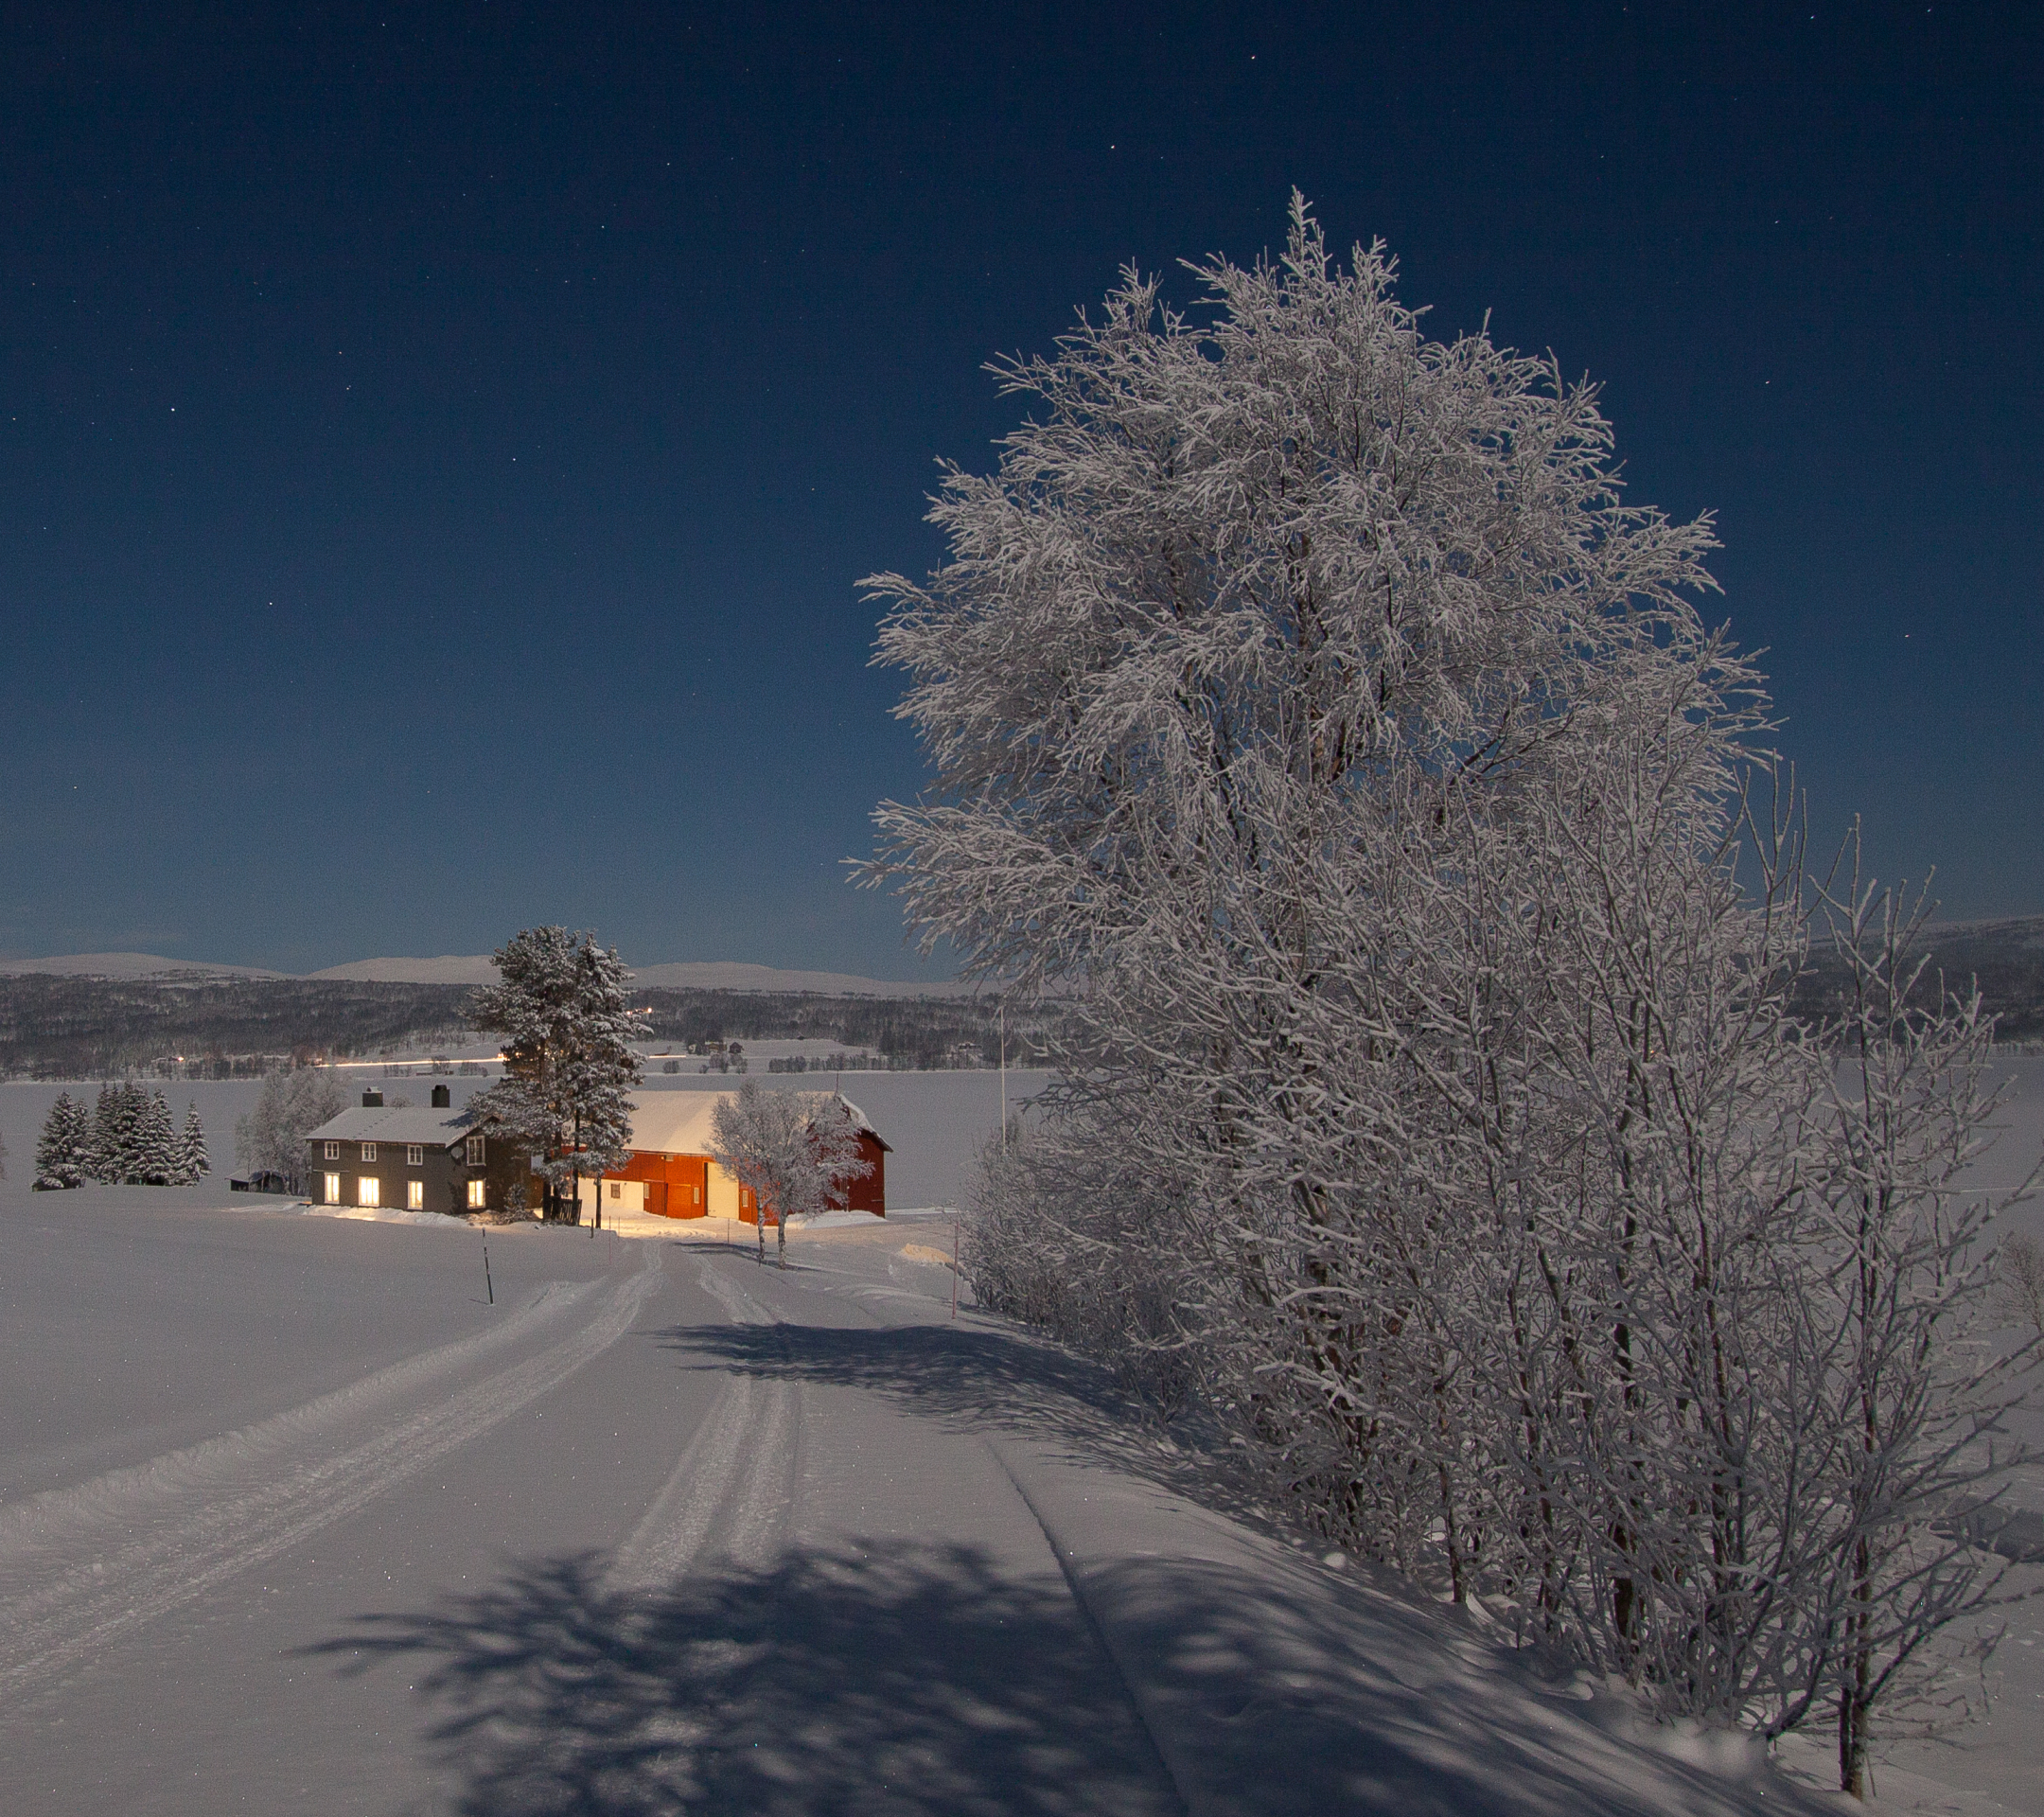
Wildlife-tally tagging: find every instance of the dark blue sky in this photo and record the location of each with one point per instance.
(436, 452)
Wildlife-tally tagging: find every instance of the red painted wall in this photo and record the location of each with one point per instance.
(678, 1185)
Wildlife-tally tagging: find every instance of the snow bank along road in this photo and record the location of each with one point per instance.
(298, 1521)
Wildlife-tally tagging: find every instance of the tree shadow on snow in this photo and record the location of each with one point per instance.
(910, 1680)
(965, 1380)
(886, 1679)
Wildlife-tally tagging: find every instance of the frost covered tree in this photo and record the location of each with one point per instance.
(193, 1162)
(563, 1008)
(2020, 1281)
(157, 1160)
(292, 1103)
(792, 1149)
(1305, 701)
(108, 1157)
(63, 1149)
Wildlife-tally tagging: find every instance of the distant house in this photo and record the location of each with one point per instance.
(406, 1158)
(671, 1174)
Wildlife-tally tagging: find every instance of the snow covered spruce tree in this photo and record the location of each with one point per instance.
(1304, 700)
(159, 1155)
(193, 1160)
(563, 1008)
(63, 1149)
(792, 1149)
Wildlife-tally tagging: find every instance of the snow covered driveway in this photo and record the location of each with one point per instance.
(291, 1519)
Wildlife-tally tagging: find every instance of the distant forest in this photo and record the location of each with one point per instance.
(2005, 958)
(200, 1027)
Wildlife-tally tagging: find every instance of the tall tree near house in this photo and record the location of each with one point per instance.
(792, 1149)
(602, 1069)
(562, 1007)
(1305, 701)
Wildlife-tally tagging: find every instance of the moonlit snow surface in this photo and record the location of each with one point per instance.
(291, 1519)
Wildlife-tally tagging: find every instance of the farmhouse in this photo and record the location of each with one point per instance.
(672, 1176)
(412, 1160)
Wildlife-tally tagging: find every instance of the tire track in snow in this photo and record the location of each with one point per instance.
(81, 1566)
(730, 1480)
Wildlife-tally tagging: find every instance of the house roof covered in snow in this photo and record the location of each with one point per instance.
(678, 1123)
(394, 1124)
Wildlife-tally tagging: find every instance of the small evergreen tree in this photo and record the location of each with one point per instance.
(61, 1151)
(194, 1163)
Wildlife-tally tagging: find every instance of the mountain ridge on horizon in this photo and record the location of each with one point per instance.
(478, 968)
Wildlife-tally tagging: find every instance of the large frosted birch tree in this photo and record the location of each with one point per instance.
(1304, 697)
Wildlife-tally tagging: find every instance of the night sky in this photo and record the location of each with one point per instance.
(438, 445)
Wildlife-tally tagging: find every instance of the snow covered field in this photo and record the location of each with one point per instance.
(293, 1519)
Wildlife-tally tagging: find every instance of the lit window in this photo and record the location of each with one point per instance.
(333, 1151)
(333, 1183)
(368, 1151)
(415, 1195)
(475, 1195)
(368, 1189)
(475, 1151)
(415, 1155)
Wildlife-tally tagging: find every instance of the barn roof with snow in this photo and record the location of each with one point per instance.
(679, 1123)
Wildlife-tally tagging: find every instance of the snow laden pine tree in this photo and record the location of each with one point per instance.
(792, 1149)
(1306, 704)
(158, 1155)
(563, 1009)
(193, 1161)
(63, 1149)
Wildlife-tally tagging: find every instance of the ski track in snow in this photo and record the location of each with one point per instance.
(733, 1479)
(81, 1566)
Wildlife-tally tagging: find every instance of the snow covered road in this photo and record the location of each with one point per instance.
(662, 1530)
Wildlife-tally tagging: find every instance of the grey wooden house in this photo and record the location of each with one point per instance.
(408, 1158)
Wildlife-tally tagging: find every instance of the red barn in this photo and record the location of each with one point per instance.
(671, 1174)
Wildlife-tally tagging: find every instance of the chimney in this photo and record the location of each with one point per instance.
(442, 1097)
(372, 1098)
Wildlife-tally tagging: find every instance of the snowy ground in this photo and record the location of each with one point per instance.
(292, 1518)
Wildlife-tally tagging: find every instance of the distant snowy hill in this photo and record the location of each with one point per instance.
(476, 968)
(450, 968)
(689, 975)
(124, 965)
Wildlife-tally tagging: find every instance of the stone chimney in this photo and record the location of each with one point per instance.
(372, 1098)
(442, 1097)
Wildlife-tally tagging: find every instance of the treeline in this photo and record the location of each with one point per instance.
(2006, 958)
(230, 1028)
(212, 1028)
(921, 1031)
